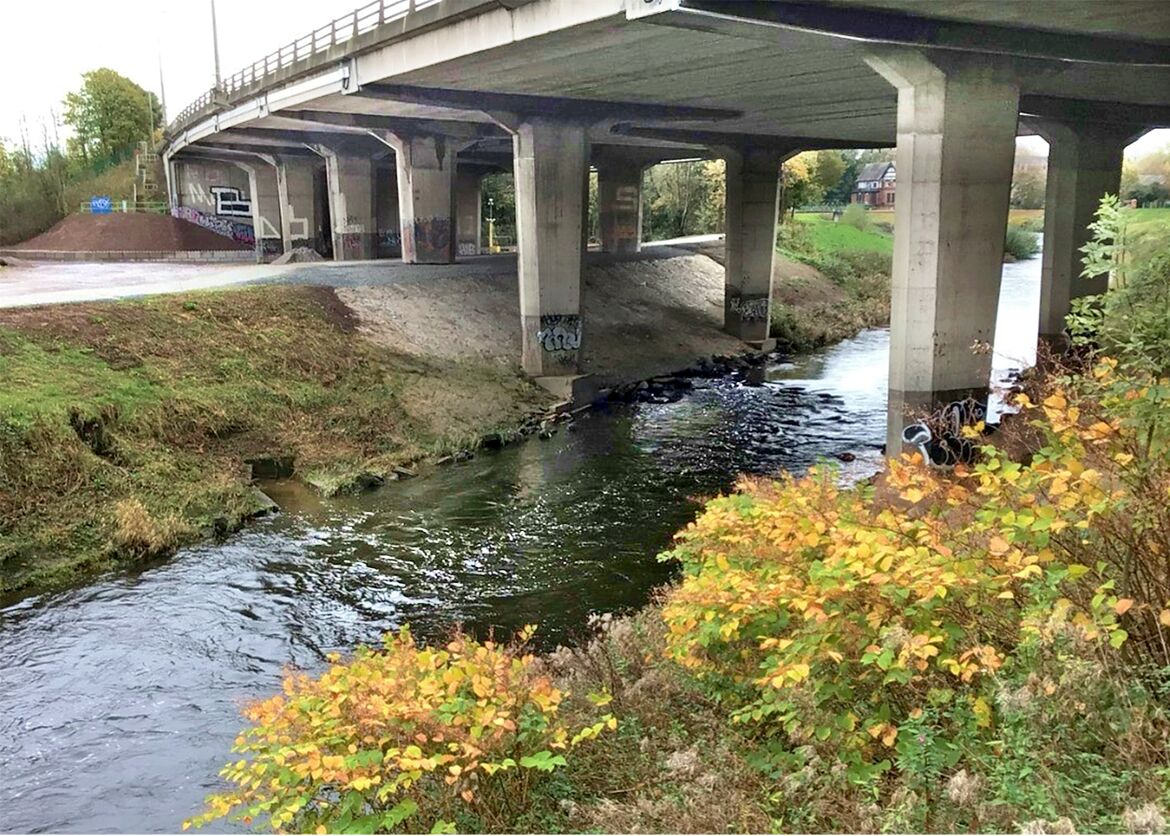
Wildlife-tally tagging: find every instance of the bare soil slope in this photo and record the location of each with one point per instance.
(642, 318)
(128, 232)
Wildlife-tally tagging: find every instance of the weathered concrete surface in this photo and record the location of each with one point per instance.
(551, 168)
(619, 206)
(298, 203)
(1084, 164)
(468, 212)
(426, 197)
(956, 142)
(350, 180)
(752, 202)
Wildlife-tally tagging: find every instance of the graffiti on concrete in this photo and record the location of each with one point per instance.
(468, 248)
(227, 228)
(560, 333)
(432, 238)
(750, 308)
(940, 436)
(231, 202)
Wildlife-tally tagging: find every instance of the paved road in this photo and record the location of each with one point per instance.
(52, 283)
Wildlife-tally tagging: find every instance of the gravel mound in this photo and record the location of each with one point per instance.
(129, 232)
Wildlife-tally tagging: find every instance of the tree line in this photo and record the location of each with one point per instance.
(42, 178)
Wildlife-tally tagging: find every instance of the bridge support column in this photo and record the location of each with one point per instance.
(350, 181)
(267, 220)
(956, 142)
(551, 160)
(426, 197)
(619, 205)
(753, 176)
(468, 211)
(298, 208)
(1084, 164)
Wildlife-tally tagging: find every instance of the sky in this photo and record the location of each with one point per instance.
(39, 65)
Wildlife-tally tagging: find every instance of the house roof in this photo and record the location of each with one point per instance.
(874, 171)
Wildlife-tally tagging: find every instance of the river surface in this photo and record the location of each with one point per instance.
(119, 699)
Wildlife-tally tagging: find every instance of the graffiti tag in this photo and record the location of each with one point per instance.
(228, 229)
(749, 308)
(560, 332)
(231, 201)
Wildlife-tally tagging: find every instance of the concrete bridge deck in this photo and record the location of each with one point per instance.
(369, 136)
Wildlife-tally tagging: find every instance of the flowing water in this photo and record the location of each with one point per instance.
(119, 699)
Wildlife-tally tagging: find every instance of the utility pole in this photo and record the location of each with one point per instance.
(215, 45)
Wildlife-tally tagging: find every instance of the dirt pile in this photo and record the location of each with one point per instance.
(129, 232)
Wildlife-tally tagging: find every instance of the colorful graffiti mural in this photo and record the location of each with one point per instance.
(224, 226)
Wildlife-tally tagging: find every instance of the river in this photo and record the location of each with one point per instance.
(120, 698)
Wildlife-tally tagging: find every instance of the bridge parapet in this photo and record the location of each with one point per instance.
(374, 24)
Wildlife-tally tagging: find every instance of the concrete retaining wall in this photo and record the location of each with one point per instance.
(199, 256)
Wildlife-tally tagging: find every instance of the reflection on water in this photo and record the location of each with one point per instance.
(120, 698)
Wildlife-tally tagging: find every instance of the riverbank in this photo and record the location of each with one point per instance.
(133, 428)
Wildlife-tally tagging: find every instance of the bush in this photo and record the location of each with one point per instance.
(402, 739)
(1020, 243)
(856, 216)
(952, 621)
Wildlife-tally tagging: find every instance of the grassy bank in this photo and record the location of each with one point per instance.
(127, 425)
(847, 289)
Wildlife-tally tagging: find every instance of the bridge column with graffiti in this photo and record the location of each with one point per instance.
(298, 205)
(551, 160)
(752, 193)
(350, 180)
(426, 196)
(956, 144)
(266, 223)
(619, 196)
(468, 210)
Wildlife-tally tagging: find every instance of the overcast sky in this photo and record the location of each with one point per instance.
(42, 60)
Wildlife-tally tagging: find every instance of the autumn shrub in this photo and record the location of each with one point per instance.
(405, 738)
(883, 636)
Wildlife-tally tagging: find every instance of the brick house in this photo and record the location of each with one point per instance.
(875, 185)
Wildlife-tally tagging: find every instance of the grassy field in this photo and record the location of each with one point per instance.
(830, 237)
(1148, 231)
(127, 425)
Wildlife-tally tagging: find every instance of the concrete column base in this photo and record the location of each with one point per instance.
(579, 388)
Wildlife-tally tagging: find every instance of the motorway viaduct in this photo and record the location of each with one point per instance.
(376, 128)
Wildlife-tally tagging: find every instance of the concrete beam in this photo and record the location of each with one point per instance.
(551, 171)
(880, 26)
(548, 106)
(397, 124)
(1081, 112)
(733, 140)
(956, 144)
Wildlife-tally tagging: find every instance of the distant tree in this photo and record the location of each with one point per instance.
(800, 187)
(1129, 181)
(841, 193)
(1027, 189)
(109, 114)
(828, 169)
(677, 199)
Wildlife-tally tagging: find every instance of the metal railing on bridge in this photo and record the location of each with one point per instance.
(335, 33)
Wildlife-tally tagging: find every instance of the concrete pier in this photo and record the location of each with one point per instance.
(551, 160)
(619, 204)
(1084, 164)
(956, 143)
(350, 182)
(426, 197)
(753, 176)
(298, 204)
(468, 211)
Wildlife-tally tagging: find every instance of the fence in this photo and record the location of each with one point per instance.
(119, 206)
(335, 33)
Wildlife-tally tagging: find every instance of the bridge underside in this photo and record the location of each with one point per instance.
(378, 151)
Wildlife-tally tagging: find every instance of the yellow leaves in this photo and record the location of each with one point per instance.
(1123, 605)
(997, 545)
(1164, 618)
(913, 495)
(886, 732)
(982, 711)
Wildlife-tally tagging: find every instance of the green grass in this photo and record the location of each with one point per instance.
(838, 237)
(157, 403)
(1147, 231)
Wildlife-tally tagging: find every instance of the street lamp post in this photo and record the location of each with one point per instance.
(215, 45)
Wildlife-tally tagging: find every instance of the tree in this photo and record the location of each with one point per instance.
(828, 169)
(109, 114)
(678, 198)
(799, 181)
(1028, 189)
